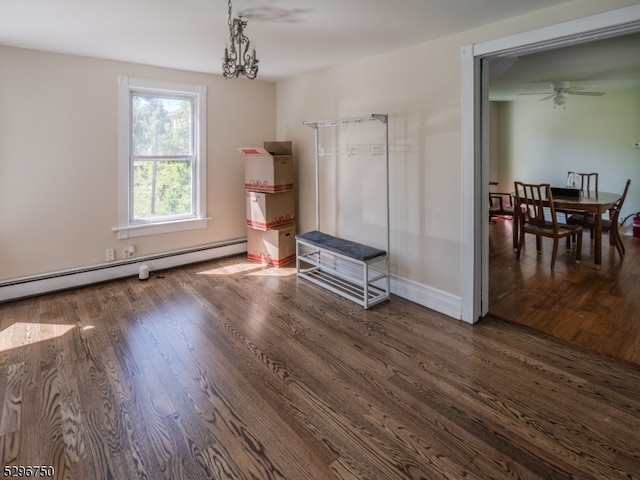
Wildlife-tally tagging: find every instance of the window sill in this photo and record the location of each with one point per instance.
(144, 229)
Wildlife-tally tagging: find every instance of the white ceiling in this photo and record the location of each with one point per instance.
(292, 37)
(605, 65)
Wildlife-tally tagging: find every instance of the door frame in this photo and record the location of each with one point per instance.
(475, 134)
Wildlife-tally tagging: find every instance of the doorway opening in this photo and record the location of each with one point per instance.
(475, 142)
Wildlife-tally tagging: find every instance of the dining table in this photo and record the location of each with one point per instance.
(595, 203)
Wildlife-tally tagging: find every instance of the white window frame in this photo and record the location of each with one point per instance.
(126, 226)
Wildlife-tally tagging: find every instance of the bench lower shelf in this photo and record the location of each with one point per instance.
(364, 281)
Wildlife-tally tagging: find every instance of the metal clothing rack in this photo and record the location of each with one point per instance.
(356, 271)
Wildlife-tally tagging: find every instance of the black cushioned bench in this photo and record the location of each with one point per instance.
(354, 250)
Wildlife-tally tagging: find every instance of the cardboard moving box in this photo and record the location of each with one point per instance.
(270, 210)
(272, 247)
(268, 169)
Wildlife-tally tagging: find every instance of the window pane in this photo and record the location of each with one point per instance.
(161, 125)
(161, 188)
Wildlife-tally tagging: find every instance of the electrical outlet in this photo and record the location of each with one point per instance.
(129, 251)
(110, 255)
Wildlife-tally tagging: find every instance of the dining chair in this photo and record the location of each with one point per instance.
(579, 217)
(536, 200)
(588, 180)
(500, 204)
(612, 223)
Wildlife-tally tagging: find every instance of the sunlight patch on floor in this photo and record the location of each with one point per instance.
(275, 272)
(22, 334)
(251, 268)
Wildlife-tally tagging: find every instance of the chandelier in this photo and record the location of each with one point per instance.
(239, 58)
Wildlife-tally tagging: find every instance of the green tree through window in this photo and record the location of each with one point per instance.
(162, 145)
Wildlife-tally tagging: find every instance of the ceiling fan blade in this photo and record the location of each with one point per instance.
(593, 94)
(534, 93)
(547, 97)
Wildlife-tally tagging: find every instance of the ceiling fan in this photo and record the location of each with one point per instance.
(560, 92)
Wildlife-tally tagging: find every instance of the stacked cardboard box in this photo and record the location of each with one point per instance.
(270, 203)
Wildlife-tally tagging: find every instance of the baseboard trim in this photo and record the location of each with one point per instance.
(63, 280)
(428, 297)
(432, 298)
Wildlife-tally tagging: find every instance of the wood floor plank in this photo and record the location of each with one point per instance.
(11, 414)
(54, 451)
(10, 448)
(152, 407)
(102, 463)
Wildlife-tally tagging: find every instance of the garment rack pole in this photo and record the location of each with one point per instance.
(388, 226)
(315, 128)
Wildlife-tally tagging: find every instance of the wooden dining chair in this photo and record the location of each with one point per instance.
(535, 200)
(500, 205)
(612, 223)
(579, 217)
(588, 180)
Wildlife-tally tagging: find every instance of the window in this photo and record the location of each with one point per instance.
(162, 167)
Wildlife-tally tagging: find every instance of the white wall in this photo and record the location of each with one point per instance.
(420, 89)
(58, 159)
(538, 143)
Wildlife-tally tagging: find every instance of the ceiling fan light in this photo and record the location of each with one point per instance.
(559, 101)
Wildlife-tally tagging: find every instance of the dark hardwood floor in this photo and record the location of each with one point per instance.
(232, 370)
(595, 309)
